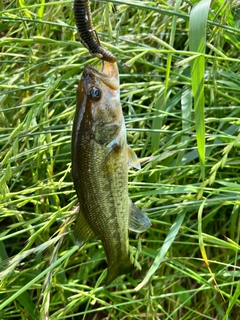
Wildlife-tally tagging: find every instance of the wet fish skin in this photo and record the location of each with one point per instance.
(100, 157)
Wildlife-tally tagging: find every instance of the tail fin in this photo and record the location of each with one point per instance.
(119, 268)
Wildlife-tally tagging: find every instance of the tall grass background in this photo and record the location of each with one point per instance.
(180, 92)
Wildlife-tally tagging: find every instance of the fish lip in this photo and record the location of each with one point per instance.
(110, 81)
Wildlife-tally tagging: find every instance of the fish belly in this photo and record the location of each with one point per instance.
(103, 196)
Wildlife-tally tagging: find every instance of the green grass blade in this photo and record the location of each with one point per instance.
(41, 63)
(40, 276)
(234, 300)
(166, 245)
(197, 43)
(3, 254)
(171, 43)
(26, 302)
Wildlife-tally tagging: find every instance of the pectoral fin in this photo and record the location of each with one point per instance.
(111, 160)
(132, 158)
(82, 231)
(138, 221)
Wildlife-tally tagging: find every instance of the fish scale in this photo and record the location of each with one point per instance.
(100, 157)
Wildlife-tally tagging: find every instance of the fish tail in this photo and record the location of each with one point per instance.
(119, 268)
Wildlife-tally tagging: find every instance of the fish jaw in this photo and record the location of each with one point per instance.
(111, 69)
(109, 74)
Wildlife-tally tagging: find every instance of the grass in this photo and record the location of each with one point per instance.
(180, 92)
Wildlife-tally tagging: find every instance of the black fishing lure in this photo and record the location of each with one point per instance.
(88, 36)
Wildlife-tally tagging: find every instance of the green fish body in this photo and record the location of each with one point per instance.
(100, 157)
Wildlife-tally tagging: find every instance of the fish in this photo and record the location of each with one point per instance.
(87, 34)
(100, 159)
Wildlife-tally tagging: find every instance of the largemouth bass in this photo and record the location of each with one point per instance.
(100, 158)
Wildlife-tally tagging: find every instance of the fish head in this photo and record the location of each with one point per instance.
(98, 97)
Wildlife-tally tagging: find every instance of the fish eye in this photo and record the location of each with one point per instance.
(94, 94)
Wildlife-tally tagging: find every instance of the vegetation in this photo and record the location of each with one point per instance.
(180, 91)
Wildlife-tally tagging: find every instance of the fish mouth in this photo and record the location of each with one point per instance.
(108, 75)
